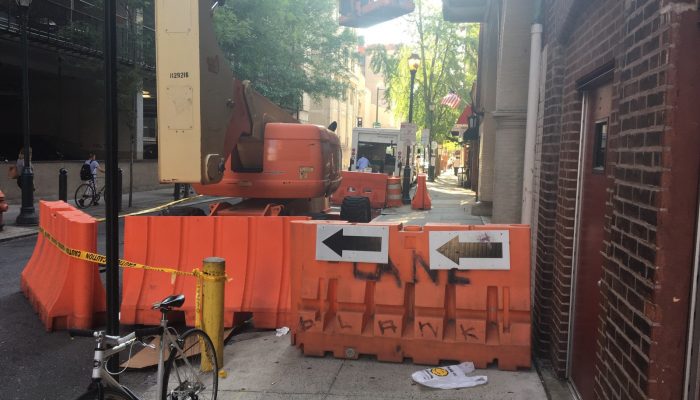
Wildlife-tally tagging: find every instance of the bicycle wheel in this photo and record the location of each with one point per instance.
(187, 376)
(109, 394)
(84, 195)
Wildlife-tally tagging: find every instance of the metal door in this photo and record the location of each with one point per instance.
(591, 220)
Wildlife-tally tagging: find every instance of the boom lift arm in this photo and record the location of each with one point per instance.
(203, 112)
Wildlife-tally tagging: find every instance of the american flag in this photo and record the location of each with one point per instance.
(452, 100)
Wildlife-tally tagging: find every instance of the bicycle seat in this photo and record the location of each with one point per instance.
(170, 302)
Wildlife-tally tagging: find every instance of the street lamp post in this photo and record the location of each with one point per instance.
(413, 64)
(27, 214)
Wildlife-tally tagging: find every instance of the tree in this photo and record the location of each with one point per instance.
(448, 54)
(287, 47)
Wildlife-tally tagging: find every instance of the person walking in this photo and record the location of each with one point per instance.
(19, 166)
(94, 166)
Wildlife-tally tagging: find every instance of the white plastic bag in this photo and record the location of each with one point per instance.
(281, 331)
(449, 377)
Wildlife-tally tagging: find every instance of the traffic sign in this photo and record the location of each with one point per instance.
(355, 243)
(408, 132)
(480, 250)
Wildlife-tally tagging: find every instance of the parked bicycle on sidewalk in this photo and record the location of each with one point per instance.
(87, 194)
(187, 364)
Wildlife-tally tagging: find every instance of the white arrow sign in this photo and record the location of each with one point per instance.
(355, 243)
(486, 250)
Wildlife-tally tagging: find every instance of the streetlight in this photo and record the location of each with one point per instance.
(27, 214)
(413, 64)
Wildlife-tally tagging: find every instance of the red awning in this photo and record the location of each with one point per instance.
(464, 118)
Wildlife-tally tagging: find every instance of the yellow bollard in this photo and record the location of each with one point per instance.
(214, 271)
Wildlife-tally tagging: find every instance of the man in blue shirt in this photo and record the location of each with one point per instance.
(362, 163)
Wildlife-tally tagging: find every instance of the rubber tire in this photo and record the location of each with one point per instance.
(86, 188)
(173, 353)
(184, 211)
(109, 394)
(356, 209)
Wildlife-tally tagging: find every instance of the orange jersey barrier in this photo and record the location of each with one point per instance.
(416, 303)
(256, 250)
(66, 292)
(393, 192)
(366, 184)
(421, 200)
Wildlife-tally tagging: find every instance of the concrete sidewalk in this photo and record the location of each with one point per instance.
(263, 366)
(451, 204)
(140, 201)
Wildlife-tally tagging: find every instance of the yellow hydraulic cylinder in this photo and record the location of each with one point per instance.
(214, 271)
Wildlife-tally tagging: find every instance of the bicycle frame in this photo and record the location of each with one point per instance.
(104, 379)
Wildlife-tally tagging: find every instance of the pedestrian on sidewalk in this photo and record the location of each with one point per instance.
(94, 167)
(450, 163)
(19, 167)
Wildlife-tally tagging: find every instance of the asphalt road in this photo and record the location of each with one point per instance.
(38, 364)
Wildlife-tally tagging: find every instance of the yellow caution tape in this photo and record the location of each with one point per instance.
(102, 260)
(154, 209)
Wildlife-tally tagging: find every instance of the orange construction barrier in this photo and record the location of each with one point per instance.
(421, 200)
(393, 192)
(256, 250)
(366, 184)
(66, 292)
(444, 293)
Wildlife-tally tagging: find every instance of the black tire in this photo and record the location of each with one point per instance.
(84, 195)
(356, 209)
(109, 394)
(183, 378)
(184, 211)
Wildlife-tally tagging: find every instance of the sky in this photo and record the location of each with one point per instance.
(393, 31)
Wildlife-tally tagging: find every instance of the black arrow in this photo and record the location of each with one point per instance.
(339, 242)
(454, 250)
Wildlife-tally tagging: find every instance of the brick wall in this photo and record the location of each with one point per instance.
(654, 196)
(653, 169)
(547, 204)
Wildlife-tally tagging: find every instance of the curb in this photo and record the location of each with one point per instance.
(19, 236)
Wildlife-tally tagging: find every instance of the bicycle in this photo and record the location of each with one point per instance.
(184, 375)
(88, 191)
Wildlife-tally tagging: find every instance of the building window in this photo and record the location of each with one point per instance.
(599, 145)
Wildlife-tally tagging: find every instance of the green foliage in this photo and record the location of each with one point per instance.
(448, 54)
(287, 47)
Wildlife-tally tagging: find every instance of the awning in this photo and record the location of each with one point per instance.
(464, 10)
(464, 117)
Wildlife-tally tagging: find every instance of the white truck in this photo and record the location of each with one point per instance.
(382, 147)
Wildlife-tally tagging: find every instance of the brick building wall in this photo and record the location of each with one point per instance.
(652, 169)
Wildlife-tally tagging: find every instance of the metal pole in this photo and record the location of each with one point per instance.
(406, 198)
(112, 147)
(63, 184)
(27, 214)
(213, 307)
